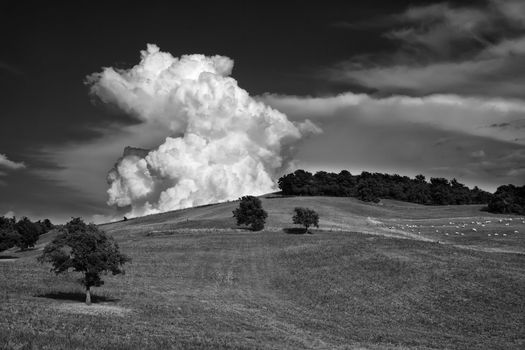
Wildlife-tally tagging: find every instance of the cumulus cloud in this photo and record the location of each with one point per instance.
(444, 49)
(9, 164)
(222, 143)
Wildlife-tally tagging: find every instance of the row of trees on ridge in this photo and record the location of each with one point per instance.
(371, 187)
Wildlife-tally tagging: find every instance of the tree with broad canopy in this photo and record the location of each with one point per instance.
(250, 212)
(306, 217)
(86, 249)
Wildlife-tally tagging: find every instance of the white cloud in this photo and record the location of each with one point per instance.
(9, 164)
(454, 113)
(222, 143)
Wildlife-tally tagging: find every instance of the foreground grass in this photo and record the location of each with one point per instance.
(238, 290)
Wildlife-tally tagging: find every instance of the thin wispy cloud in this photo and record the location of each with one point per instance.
(9, 164)
(497, 119)
(444, 49)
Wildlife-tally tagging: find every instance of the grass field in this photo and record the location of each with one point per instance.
(372, 277)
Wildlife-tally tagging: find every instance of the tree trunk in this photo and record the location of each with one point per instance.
(88, 296)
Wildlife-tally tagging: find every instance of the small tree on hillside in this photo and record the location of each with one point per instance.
(306, 217)
(250, 212)
(86, 249)
(28, 232)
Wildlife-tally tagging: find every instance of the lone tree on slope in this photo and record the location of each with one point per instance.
(87, 249)
(250, 212)
(306, 217)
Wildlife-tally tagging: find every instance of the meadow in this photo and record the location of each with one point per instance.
(387, 276)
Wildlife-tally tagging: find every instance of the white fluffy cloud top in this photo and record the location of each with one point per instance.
(224, 143)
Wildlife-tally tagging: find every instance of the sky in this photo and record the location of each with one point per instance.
(404, 87)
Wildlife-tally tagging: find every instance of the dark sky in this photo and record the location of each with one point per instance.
(292, 55)
(49, 48)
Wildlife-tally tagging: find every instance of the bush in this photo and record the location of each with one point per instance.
(86, 249)
(251, 213)
(306, 217)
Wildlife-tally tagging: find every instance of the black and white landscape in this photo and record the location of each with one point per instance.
(265, 175)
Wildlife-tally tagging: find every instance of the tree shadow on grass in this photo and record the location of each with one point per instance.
(76, 296)
(243, 228)
(295, 230)
(8, 257)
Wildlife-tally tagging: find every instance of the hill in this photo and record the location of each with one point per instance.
(374, 276)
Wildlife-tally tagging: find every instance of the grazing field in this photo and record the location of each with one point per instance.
(372, 277)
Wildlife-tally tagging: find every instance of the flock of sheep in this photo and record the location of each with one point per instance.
(492, 228)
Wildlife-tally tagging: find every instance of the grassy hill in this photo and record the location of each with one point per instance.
(372, 277)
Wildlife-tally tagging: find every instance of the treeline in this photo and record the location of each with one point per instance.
(371, 187)
(22, 233)
(508, 199)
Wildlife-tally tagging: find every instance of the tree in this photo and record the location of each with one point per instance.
(86, 249)
(48, 226)
(371, 187)
(508, 199)
(8, 235)
(306, 217)
(28, 232)
(8, 238)
(250, 212)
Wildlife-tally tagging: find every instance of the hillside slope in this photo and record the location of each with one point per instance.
(461, 225)
(336, 213)
(196, 281)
